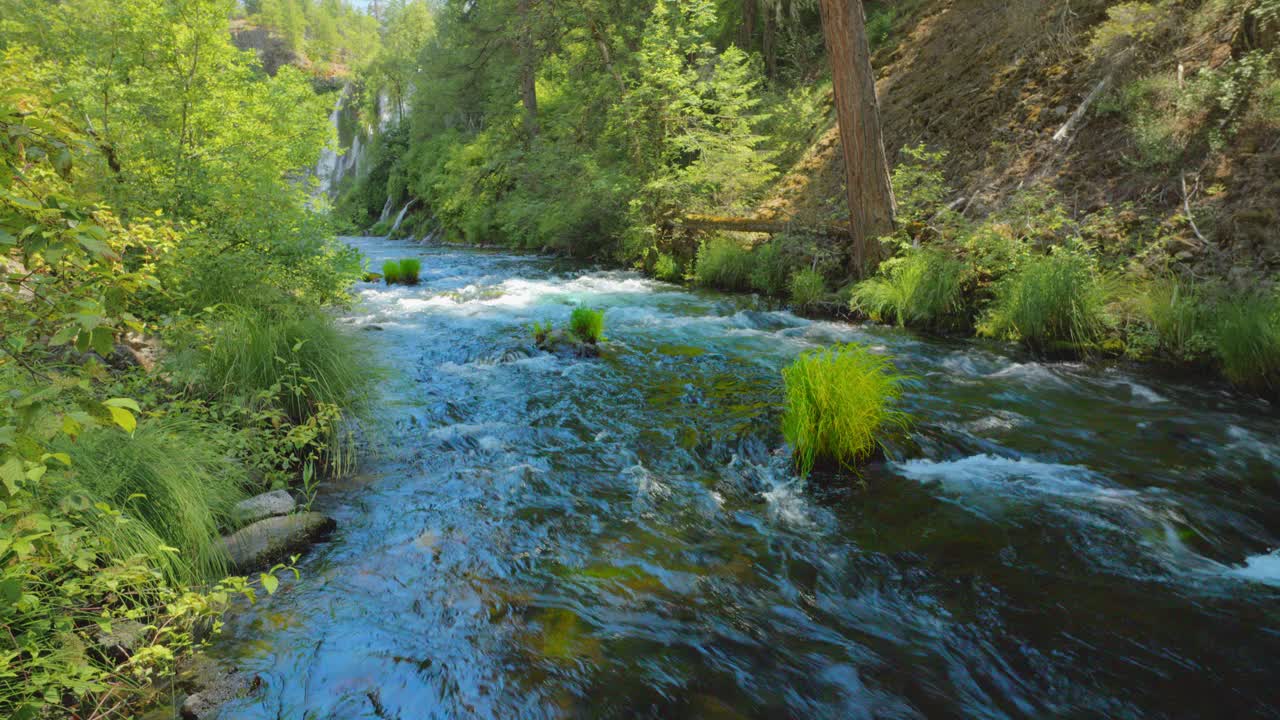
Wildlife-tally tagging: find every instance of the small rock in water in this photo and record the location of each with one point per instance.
(216, 686)
(272, 540)
(276, 502)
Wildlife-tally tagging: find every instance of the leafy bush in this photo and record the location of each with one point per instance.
(665, 268)
(838, 401)
(1052, 301)
(723, 263)
(391, 272)
(1247, 340)
(587, 325)
(921, 289)
(295, 360)
(410, 271)
(173, 484)
(808, 288)
(771, 272)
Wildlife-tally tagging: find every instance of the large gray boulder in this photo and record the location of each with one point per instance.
(272, 504)
(273, 540)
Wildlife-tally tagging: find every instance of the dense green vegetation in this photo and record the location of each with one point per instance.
(839, 402)
(156, 194)
(150, 198)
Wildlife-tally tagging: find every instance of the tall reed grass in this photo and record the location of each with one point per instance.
(1050, 303)
(173, 486)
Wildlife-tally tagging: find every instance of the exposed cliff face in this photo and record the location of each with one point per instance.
(272, 50)
(993, 82)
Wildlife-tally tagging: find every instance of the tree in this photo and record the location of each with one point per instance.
(871, 206)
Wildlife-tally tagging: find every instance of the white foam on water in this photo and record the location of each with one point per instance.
(1243, 440)
(988, 473)
(1031, 373)
(1263, 569)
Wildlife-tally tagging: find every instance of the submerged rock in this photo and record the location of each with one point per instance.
(272, 504)
(565, 343)
(213, 686)
(269, 541)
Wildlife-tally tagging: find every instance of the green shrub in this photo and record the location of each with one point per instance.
(1176, 316)
(410, 271)
(838, 401)
(587, 325)
(391, 272)
(921, 289)
(175, 487)
(1247, 340)
(292, 361)
(808, 288)
(770, 272)
(1051, 302)
(665, 268)
(723, 263)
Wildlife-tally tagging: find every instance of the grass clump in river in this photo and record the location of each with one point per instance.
(838, 402)
(410, 271)
(587, 325)
(391, 272)
(402, 272)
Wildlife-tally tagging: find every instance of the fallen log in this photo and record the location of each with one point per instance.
(713, 223)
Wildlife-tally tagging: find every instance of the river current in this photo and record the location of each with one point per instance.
(536, 536)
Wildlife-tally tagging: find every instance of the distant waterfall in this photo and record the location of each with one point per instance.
(400, 217)
(329, 164)
(386, 210)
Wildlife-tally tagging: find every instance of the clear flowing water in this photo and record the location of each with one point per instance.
(541, 536)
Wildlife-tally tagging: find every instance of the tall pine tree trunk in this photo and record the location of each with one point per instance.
(871, 206)
(528, 73)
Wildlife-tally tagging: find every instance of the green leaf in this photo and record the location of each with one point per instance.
(123, 418)
(11, 474)
(270, 583)
(7, 239)
(10, 591)
(103, 341)
(125, 403)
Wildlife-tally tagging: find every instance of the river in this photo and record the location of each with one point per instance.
(537, 536)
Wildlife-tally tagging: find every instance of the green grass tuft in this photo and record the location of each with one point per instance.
(723, 263)
(1247, 341)
(838, 401)
(921, 289)
(808, 288)
(410, 271)
(1052, 301)
(770, 272)
(587, 325)
(172, 484)
(391, 272)
(1175, 317)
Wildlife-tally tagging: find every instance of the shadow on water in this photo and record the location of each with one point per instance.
(622, 537)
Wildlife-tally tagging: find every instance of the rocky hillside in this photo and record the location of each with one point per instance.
(1156, 108)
